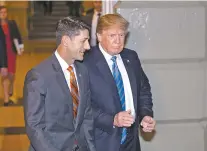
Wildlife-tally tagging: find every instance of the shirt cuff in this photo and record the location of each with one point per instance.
(21, 46)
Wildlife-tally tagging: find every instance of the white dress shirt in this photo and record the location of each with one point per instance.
(127, 87)
(93, 28)
(64, 67)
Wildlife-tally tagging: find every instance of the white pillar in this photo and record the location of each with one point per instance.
(107, 6)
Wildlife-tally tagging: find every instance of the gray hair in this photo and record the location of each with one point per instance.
(70, 26)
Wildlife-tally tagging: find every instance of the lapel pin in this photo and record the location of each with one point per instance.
(128, 61)
(79, 75)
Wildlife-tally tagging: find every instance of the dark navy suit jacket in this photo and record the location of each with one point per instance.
(106, 102)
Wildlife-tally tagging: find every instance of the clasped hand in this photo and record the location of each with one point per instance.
(123, 119)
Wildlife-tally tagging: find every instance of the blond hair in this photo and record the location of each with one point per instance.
(109, 20)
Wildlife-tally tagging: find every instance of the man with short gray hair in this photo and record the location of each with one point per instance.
(57, 102)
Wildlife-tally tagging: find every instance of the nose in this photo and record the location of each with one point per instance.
(117, 40)
(86, 45)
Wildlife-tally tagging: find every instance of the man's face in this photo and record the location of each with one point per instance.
(112, 39)
(3, 13)
(97, 5)
(77, 45)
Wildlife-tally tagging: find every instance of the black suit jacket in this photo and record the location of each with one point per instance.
(88, 18)
(14, 33)
(90, 11)
(48, 109)
(3, 58)
(106, 102)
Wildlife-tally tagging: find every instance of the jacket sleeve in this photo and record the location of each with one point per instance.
(34, 112)
(103, 120)
(17, 34)
(88, 124)
(145, 95)
(3, 56)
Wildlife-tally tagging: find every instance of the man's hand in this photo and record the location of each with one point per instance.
(123, 119)
(148, 124)
(4, 72)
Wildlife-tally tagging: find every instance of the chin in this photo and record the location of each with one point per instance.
(80, 59)
(118, 48)
(118, 51)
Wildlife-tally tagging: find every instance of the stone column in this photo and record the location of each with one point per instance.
(108, 6)
(170, 39)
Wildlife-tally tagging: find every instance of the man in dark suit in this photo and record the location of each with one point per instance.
(91, 18)
(47, 5)
(74, 7)
(121, 95)
(57, 102)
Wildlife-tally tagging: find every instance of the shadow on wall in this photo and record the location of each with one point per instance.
(147, 136)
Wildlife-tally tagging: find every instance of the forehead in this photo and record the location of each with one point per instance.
(84, 34)
(97, 2)
(3, 10)
(114, 30)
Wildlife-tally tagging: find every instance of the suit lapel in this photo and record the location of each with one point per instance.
(64, 86)
(80, 79)
(132, 79)
(11, 28)
(61, 80)
(105, 73)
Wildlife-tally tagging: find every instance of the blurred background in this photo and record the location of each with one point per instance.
(36, 21)
(37, 28)
(170, 39)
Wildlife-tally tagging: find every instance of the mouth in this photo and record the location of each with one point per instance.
(82, 52)
(116, 47)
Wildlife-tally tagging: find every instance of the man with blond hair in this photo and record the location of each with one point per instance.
(120, 90)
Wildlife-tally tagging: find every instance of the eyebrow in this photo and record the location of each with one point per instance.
(85, 38)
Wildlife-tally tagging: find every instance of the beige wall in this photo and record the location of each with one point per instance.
(17, 10)
(87, 5)
(2, 2)
(170, 38)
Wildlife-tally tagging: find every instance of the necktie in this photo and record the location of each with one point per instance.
(99, 14)
(120, 87)
(74, 91)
